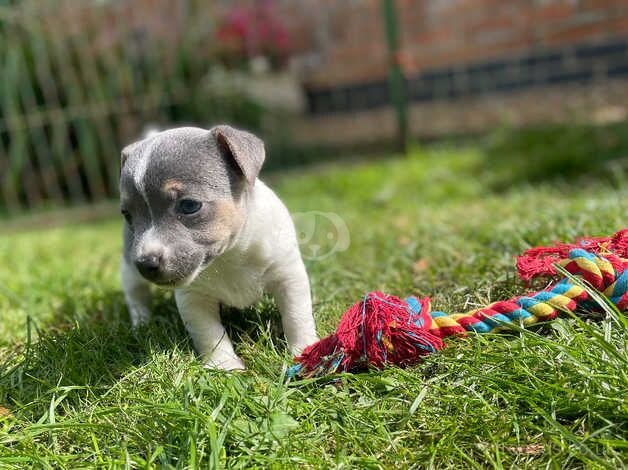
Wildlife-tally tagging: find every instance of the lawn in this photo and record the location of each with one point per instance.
(79, 387)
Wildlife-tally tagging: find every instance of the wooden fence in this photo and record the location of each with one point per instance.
(78, 80)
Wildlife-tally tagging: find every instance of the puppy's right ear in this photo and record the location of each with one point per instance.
(147, 133)
(126, 153)
(123, 157)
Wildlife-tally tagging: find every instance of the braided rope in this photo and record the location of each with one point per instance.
(383, 329)
(540, 306)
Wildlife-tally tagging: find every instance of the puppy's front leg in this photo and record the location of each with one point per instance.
(136, 293)
(201, 316)
(291, 291)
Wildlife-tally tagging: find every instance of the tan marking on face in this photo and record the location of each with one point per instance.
(228, 219)
(172, 186)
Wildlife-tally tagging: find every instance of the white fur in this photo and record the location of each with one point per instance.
(136, 293)
(150, 243)
(265, 256)
(139, 172)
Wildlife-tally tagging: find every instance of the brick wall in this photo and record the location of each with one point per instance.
(497, 58)
(350, 46)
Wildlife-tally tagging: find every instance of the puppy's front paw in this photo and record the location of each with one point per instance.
(297, 347)
(139, 316)
(224, 362)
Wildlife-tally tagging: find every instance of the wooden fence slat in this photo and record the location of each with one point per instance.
(36, 135)
(61, 153)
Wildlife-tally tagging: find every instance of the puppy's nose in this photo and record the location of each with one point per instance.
(148, 265)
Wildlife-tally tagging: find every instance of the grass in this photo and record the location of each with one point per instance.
(80, 388)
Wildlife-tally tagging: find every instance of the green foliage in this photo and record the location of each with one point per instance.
(81, 388)
(558, 151)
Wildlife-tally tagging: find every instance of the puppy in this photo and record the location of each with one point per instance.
(198, 220)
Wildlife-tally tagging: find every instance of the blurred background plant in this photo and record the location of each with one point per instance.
(252, 32)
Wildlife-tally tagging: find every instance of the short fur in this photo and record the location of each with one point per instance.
(240, 243)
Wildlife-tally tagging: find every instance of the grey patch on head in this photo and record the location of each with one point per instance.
(187, 154)
(212, 167)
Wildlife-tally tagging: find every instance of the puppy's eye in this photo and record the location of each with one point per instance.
(189, 206)
(127, 215)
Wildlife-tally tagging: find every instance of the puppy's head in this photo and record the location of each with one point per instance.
(182, 193)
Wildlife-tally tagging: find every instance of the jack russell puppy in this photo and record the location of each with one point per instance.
(199, 221)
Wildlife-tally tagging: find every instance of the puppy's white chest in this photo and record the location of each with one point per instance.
(232, 281)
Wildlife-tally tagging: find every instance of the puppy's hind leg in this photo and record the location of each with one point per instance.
(136, 293)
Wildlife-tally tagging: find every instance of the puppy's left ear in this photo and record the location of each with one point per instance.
(243, 147)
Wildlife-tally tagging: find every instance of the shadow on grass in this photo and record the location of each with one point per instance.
(248, 324)
(87, 350)
(572, 153)
(95, 350)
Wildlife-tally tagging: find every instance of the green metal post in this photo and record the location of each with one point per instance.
(396, 80)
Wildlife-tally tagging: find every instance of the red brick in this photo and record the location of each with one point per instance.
(571, 34)
(602, 4)
(553, 12)
(426, 38)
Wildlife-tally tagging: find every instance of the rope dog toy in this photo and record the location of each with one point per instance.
(382, 329)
